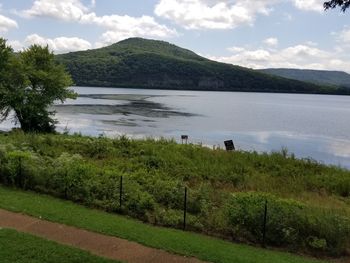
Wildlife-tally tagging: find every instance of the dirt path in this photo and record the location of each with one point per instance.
(98, 244)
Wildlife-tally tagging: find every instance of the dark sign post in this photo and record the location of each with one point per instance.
(229, 145)
(184, 138)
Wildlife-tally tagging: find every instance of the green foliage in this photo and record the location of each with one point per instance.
(307, 201)
(30, 82)
(289, 223)
(322, 77)
(343, 4)
(141, 63)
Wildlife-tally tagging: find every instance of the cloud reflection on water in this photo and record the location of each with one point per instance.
(308, 125)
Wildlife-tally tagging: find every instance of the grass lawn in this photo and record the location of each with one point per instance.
(23, 248)
(185, 243)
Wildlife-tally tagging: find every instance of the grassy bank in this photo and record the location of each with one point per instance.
(185, 243)
(308, 203)
(23, 248)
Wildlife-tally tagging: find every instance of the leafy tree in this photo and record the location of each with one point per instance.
(30, 82)
(344, 4)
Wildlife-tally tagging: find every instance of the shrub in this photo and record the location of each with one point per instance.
(19, 168)
(136, 201)
(220, 199)
(289, 223)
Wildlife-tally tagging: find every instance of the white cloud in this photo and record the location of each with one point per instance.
(7, 23)
(15, 44)
(298, 56)
(271, 41)
(68, 10)
(59, 44)
(118, 27)
(309, 5)
(235, 49)
(311, 43)
(209, 14)
(342, 39)
(344, 36)
(121, 27)
(223, 14)
(190, 14)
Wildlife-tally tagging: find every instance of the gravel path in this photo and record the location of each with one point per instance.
(98, 244)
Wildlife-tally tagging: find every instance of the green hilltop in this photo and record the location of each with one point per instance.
(323, 77)
(143, 63)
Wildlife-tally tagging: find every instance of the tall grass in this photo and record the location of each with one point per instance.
(308, 208)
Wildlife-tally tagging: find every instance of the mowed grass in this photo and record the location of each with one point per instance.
(23, 248)
(184, 243)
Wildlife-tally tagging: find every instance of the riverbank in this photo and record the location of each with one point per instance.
(308, 203)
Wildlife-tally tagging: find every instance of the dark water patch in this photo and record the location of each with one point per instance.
(128, 97)
(139, 108)
(121, 122)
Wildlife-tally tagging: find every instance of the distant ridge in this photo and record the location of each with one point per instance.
(144, 63)
(325, 77)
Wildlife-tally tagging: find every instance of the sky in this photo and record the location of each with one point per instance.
(250, 33)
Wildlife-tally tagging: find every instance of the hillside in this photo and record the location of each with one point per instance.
(337, 78)
(141, 63)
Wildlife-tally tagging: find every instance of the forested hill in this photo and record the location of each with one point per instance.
(142, 63)
(325, 77)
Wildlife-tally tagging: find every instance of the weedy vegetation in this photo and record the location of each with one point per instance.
(308, 202)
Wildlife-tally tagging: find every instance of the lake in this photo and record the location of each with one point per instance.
(315, 126)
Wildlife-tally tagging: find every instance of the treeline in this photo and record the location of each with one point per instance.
(322, 77)
(140, 63)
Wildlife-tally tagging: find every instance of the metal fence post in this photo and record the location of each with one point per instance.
(19, 175)
(264, 225)
(121, 192)
(66, 184)
(185, 209)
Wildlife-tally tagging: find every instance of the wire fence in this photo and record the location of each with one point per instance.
(252, 217)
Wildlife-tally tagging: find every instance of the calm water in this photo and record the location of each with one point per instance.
(315, 126)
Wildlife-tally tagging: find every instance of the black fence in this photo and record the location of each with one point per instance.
(253, 217)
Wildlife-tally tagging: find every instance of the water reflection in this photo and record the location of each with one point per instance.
(129, 104)
(340, 148)
(313, 126)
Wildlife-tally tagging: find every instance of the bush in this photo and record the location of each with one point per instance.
(136, 201)
(19, 168)
(289, 223)
(70, 176)
(87, 170)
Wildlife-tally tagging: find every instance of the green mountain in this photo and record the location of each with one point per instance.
(142, 63)
(336, 78)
